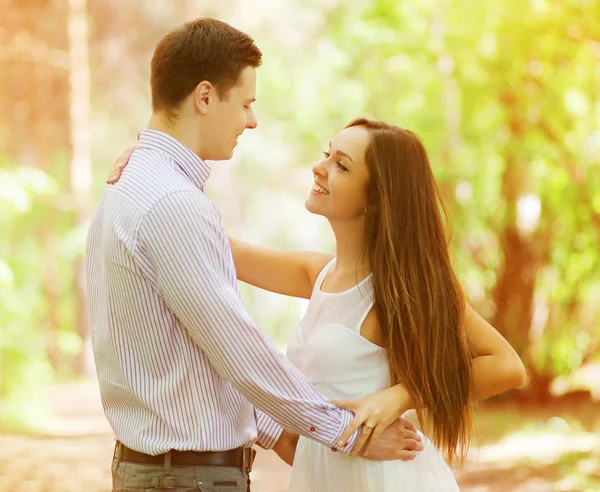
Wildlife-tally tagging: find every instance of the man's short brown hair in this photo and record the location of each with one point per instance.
(203, 49)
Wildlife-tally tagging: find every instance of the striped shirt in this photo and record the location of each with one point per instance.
(180, 363)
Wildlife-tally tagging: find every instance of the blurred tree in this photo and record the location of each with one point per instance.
(34, 88)
(504, 95)
(81, 165)
(508, 107)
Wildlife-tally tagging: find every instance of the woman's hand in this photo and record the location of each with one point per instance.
(374, 412)
(120, 163)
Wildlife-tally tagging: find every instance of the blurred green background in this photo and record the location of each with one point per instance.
(506, 96)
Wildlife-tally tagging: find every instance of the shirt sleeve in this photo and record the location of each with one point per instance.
(269, 431)
(183, 240)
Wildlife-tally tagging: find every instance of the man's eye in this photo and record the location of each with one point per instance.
(326, 154)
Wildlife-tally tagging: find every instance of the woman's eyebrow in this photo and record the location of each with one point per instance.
(340, 152)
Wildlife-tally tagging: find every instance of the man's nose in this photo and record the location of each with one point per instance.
(251, 122)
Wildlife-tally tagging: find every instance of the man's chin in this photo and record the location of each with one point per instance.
(221, 157)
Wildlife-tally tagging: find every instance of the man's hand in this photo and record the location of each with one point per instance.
(285, 447)
(399, 441)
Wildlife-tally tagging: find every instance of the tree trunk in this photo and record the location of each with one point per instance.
(81, 168)
(514, 291)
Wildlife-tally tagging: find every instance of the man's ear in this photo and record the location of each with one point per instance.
(203, 93)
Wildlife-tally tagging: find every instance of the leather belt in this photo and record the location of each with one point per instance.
(239, 457)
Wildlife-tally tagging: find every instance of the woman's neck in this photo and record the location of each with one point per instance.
(350, 254)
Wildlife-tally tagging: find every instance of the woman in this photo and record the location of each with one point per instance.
(387, 327)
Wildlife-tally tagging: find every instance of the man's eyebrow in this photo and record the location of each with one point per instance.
(342, 153)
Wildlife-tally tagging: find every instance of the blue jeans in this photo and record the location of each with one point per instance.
(137, 477)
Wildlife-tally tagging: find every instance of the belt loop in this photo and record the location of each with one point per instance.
(168, 461)
(119, 450)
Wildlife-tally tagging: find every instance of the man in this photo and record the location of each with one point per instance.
(188, 383)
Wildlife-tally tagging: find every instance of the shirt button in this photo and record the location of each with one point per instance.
(313, 429)
(334, 449)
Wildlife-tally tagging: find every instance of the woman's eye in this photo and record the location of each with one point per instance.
(339, 165)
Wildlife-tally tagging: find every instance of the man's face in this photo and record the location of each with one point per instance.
(229, 116)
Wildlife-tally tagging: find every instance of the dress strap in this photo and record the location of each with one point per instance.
(367, 306)
(321, 277)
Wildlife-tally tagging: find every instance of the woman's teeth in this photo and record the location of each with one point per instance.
(320, 189)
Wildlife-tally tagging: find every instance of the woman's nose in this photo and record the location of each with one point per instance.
(319, 169)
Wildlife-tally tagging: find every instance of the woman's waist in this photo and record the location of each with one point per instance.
(348, 390)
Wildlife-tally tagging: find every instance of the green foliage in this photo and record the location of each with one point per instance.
(505, 95)
(506, 98)
(30, 223)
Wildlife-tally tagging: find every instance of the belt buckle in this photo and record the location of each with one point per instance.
(167, 483)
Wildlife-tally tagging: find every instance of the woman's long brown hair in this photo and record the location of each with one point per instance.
(419, 302)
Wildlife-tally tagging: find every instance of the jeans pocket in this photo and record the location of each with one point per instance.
(138, 477)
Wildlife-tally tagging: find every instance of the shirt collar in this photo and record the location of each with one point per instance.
(196, 170)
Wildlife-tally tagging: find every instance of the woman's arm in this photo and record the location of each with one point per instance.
(496, 365)
(496, 368)
(291, 273)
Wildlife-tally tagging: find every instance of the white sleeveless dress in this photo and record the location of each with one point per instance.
(329, 350)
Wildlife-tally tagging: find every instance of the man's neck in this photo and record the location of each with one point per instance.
(182, 129)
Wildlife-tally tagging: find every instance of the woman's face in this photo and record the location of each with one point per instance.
(341, 178)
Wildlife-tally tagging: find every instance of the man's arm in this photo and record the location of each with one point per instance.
(286, 447)
(269, 431)
(186, 249)
(272, 436)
